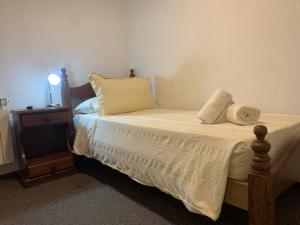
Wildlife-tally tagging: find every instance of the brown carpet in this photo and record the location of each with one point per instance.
(105, 197)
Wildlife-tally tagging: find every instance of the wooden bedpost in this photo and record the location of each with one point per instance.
(132, 74)
(261, 201)
(65, 89)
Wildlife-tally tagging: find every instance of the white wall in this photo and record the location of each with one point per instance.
(250, 48)
(40, 36)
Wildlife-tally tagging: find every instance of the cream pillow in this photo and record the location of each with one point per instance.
(122, 95)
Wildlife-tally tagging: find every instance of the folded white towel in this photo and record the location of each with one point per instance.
(214, 108)
(242, 114)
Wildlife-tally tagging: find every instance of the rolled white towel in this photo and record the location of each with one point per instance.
(242, 114)
(213, 110)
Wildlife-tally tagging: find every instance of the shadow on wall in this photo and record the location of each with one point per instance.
(183, 88)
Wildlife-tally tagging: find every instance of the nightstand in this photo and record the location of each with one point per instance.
(42, 143)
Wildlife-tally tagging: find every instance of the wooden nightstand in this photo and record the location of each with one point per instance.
(42, 143)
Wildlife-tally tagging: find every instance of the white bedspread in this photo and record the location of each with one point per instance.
(173, 151)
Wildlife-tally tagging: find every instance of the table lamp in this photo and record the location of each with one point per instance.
(53, 80)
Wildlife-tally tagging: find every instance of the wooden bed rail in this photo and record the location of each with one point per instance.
(286, 156)
(261, 198)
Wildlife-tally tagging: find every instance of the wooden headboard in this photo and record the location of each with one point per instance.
(73, 96)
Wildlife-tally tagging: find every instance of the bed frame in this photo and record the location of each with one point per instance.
(266, 181)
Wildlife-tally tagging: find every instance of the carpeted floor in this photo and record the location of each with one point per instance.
(105, 197)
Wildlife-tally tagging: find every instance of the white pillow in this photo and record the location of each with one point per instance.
(122, 95)
(88, 106)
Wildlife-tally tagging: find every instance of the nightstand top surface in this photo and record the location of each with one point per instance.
(40, 110)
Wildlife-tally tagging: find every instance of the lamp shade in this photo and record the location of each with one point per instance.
(53, 79)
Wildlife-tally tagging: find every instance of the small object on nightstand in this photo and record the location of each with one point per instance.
(42, 143)
(54, 105)
(54, 88)
(30, 107)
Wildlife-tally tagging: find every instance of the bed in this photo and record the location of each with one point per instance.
(162, 148)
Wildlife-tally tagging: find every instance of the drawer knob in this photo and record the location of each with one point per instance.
(47, 119)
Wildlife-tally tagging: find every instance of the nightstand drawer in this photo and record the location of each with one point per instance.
(36, 169)
(44, 119)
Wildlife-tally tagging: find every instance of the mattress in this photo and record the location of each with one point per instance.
(173, 151)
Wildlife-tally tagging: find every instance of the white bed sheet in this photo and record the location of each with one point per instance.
(120, 141)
